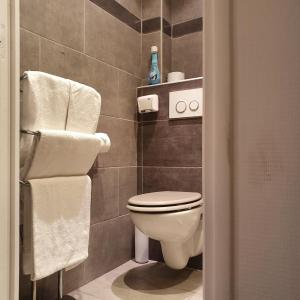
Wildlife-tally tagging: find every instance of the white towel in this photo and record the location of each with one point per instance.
(84, 108)
(63, 153)
(56, 224)
(44, 105)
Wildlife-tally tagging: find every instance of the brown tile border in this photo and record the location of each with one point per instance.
(167, 27)
(120, 12)
(176, 30)
(154, 24)
(187, 27)
(151, 25)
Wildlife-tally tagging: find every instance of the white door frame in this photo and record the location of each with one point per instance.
(9, 154)
(217, 158)
(216, 144)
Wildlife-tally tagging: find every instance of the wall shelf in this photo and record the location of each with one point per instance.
(169, 83)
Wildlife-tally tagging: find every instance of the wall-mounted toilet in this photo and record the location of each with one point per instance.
(173, 218)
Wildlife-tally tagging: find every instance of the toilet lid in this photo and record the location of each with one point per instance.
(168, 208)
(165, 198)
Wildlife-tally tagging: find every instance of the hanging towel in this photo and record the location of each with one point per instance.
(84, 108)
(44, 105)
(56, 224)
(62, 153)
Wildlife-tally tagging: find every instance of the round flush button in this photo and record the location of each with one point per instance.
(181, 106)
(194, 105)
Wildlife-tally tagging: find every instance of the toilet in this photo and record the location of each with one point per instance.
(173, 218)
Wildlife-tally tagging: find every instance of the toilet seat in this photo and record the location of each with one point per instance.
(161, 202)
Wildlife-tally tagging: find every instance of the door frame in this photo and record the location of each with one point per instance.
(217, 151)
(217, 156)
(9, 153)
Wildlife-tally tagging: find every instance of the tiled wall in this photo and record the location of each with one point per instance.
(77, 39)
(187, 37)
(175, 26)
(99, 43)
(170, 151)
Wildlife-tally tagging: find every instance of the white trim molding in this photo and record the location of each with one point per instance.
(217, 145)
(9, 153)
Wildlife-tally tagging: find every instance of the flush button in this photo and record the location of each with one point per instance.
(186, 103)
(181, 106)
(194, 105)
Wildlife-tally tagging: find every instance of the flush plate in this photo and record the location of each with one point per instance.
(186, 104)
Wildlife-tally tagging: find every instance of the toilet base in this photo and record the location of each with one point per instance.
(177, 254)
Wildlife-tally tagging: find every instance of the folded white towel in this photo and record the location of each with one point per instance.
(56, 224)
(84, 108)
(63, 153)
(44, 105)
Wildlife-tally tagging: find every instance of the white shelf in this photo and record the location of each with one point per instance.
(168, 83)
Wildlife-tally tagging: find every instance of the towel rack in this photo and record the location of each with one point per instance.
(23, 182)
(60, 289)
(24, 76)
(26, 131)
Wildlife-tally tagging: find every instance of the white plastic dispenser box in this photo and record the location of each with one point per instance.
(148, 103)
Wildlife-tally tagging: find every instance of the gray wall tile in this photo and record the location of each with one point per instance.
(172, 179)
(47, 287)
(140, 180)
(110, 245)
(186, 55)
(58, 20)
(111, 40)
(62, 61)
(123, 135)
(73, 279)
(140, 144)
(167, 56)
(183, 10)
(167, 10)
(151, 9)
(128, 187)
(134, 6)
(29, 51)
(128, 143)
(105, 195)
(127, 102)
(172, 143)
(111, 127)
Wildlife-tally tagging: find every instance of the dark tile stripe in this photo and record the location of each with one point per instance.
(120, 12)
(167, 27)
(177, 30)
(151, 25)
(187, 27)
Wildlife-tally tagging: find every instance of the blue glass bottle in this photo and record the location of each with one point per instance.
(154, 75)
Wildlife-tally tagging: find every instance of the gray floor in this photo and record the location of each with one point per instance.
(132, 281)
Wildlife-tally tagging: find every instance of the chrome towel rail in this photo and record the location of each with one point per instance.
(26, 131)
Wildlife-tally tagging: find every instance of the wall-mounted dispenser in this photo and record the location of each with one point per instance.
(148, 103)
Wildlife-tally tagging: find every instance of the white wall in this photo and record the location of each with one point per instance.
(266, 109)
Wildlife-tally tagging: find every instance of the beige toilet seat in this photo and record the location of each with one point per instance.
(164, 202)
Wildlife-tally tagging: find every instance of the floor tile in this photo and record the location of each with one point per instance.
(152, 281)
(81, 296)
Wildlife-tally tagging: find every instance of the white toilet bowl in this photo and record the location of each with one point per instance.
(174, 219)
